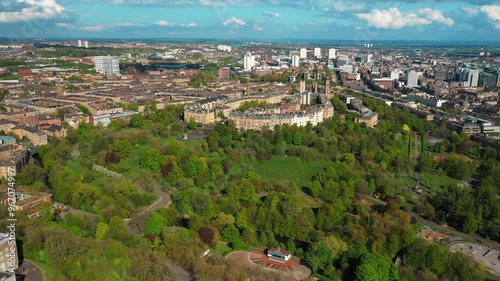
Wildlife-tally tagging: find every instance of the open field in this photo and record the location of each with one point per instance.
(434, 181)
(290, 169)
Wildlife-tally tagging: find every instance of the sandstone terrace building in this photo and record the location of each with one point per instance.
(212, 110)
(256, 122)
(13, 157)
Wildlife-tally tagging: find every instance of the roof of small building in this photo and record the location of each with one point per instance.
(278, 251)
(54, 128)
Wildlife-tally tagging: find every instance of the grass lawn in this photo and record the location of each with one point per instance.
(434, 181)
(189, 143)
(76, 166)
(290, 168)
(223, 248)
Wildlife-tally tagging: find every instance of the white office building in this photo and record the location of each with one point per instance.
(469, 77)
(332, 54)
(303, 53)
(395, 74)
(369, 58)
(107, 65)
(317, 52)
(248, 61)
(79, 43)
(295, 61)
(86, 44)
(224, 48)
(411, 79)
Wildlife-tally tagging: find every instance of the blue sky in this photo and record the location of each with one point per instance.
(255, 19)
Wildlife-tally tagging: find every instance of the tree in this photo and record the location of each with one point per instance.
(191, 125)
(209, 235)
(101, 231)
(224, 219)
(425, 163)
(136, 120)
(151, 159)
(339, 105)
(232, 235)
(296, 138)
(315, 188)
(242, 218)
(32, 174)
(122, 147)
(155, 223)
(376, 268)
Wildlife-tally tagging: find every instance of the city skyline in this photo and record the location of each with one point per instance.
(264, 19)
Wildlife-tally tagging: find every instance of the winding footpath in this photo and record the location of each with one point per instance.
(163, 201)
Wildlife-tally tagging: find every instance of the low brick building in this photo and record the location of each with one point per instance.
(27, 201)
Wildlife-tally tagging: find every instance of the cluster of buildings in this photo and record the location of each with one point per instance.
(434, 83)
(365, 115)
(83, 44)
(423, 80)
(284, 61)
(283, 108)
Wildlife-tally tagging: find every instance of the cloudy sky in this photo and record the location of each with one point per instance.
(252, 19)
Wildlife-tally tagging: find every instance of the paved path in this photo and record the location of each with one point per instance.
(73, 210)
(32, 272)
(484, 241)
(164, 200)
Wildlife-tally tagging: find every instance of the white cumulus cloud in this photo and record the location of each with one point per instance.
(492, 11)
(392, 19)
(235, 20)
(163, 23)
(436, 16)
(37, 9)
(395, 19)
(189, 24)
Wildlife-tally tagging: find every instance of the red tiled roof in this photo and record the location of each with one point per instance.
(24, 72)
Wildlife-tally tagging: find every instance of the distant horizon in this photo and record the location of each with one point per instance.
(256, 40)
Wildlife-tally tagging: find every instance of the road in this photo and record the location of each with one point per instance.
(32, 272)
(433, 225)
